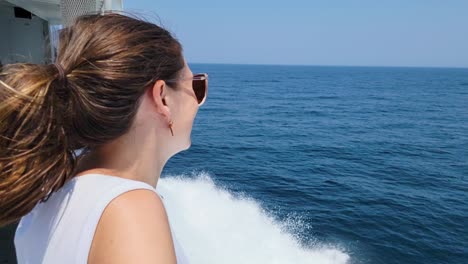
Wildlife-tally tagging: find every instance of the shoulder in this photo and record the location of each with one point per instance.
(133, 228)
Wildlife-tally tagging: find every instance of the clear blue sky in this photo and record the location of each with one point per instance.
(316, 32)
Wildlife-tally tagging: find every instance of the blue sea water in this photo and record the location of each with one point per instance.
(305, 164)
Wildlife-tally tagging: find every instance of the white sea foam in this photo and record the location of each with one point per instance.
(213, 226)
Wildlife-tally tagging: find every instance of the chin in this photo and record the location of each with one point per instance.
(185, 146)
(189, 144)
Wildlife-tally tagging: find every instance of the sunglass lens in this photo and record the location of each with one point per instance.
(199, 87)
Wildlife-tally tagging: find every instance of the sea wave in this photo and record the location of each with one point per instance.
(214, 226)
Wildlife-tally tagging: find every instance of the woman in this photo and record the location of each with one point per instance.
(122, 93)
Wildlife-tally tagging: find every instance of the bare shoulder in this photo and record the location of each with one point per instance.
(134, 228)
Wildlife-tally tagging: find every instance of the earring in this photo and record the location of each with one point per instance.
(170, 127)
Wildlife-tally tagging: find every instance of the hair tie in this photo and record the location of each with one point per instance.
(61, 71)
(62, 91)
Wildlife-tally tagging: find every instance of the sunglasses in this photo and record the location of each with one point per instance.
(199, 86)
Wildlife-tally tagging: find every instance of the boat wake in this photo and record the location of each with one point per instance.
(213, 226)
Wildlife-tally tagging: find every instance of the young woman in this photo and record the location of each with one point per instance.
(122, 93)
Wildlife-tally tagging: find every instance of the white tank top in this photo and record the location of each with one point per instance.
(61, 229)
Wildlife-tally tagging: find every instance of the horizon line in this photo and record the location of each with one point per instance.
(318, 65)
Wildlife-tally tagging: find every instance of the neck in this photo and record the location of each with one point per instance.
(136, 160)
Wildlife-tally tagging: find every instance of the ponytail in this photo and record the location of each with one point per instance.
(35, 158)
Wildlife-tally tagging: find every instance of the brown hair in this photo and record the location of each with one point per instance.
(109, 60)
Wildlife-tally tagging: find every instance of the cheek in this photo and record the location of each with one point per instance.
(191, 109)
(187, 109)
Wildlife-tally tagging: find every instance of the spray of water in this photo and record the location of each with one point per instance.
(213, 226)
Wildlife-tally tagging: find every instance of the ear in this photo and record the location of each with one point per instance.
(159, 95)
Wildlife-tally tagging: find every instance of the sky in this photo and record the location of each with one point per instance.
(411, 33)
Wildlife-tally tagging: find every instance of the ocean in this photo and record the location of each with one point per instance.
(309, 164)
